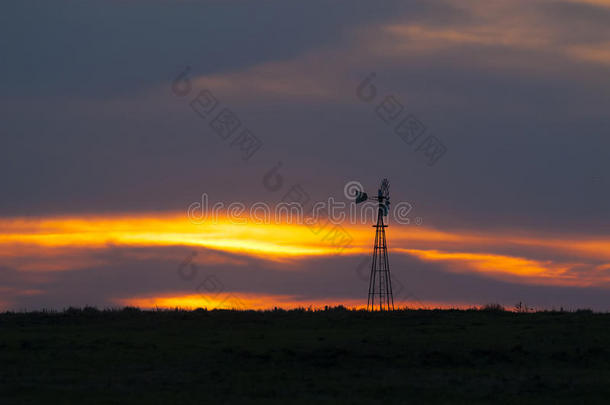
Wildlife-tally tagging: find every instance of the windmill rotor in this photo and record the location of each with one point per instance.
(385, 189)
(384, 197)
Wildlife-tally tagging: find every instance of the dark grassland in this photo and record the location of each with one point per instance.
(333, 356)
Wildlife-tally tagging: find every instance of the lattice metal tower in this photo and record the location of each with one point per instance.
(380, 282)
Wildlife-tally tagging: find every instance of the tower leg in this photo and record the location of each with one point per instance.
(380, 281)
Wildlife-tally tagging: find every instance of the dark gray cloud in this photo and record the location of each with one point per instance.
(519, 96)
(329, 279)
(98, 49)
(91, 125)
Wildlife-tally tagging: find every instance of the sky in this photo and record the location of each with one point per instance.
(491, 120)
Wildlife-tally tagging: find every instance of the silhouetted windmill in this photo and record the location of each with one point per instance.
(380, 283)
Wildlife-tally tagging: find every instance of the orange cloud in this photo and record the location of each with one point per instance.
(507, 25)
(283, 80)
(271, 241)
(7, 293)
(62, 243)
(600, 3)
(495, 265)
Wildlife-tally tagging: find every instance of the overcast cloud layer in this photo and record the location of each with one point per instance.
(517, 91)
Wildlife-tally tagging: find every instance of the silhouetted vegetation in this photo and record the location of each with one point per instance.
(493, 308)
(334, 355)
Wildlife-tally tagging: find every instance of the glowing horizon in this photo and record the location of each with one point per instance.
(251, 301)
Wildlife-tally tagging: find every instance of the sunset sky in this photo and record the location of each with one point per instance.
(106, 145)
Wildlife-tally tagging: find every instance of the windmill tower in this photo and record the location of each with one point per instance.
(380, 282)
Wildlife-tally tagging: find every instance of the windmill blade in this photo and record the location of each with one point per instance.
(386, 208)
(385, 189)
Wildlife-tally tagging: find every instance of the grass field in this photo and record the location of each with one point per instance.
(333, 356)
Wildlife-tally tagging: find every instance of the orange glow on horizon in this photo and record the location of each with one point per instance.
(264, 301)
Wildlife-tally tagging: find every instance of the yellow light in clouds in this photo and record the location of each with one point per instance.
(273, 241)
(45, 243)
(491, 264)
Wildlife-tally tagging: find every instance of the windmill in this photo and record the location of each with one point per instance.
(380, 282)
